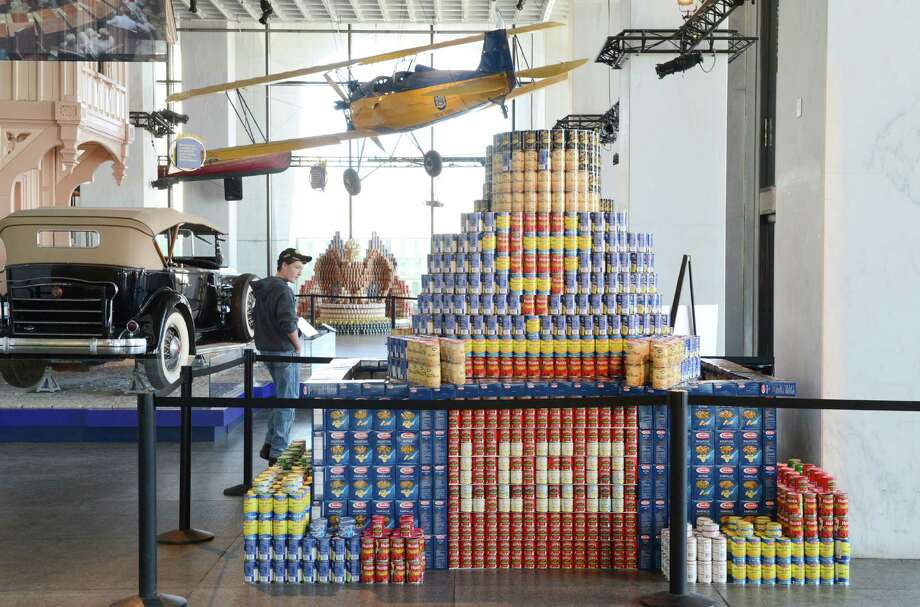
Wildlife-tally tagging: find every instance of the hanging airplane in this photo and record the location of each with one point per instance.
(401, 103)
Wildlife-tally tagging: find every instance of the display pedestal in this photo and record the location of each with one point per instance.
(159, 600)
(185, 536)
(666, 599)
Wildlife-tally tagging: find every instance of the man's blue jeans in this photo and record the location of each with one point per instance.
(286, 378)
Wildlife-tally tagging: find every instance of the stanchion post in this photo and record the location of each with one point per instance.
(392, 312)
(147, 512)
(677, 595)
(248, 389)
(185, 534)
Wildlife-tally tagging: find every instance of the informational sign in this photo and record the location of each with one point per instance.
(188, 153)
(85, 30)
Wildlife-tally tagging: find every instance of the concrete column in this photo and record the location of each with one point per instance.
(848, 203)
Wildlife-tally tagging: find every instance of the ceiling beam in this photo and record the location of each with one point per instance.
(251, 10)
(547, 10)
(223, 10)
(412, 9)
(188, 7)
(355, 7)
(437, 11)
(465, 5)
(303, 10)
(327, 4)
(384, 9)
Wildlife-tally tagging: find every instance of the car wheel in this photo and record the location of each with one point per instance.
(172, 354)
(242, 308)
(22, 373)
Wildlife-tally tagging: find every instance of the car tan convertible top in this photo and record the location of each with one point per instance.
(111, 236)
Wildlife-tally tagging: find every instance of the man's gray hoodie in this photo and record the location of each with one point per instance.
(276, 315)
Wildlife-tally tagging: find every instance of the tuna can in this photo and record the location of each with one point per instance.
(279, 571)
(266, 572)
(719, 572)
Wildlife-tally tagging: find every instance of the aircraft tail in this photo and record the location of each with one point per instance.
(496, 53)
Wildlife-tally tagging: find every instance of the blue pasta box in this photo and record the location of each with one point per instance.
(440, 447)
(349, 389)
(468, 392)
(748, 388)
(752, 487)
(360, 510)
(727, 449)
(769, 448)
(768, 508)
(769, 482)
(660, 481)
(441, 421)
(646, 551)
(608, 388)
(646, 417)
(319, 424)
(724, 508)
(751, 418)
(779, 388)
(337, 483)
(517, 389)
(319, 449)
(362, 453)
(646, 447)
(384, 483)
(338, 448)
(426, 420)
(751, 449)
(384, 449)
(385, 420)
(407, 480)
(425, 514)
(320, 389)
(397, 391)
(727, 484)
(407, 448)
(419, 393)
(646, 517)
(373, 390)
(425, 482)
(406, 507)
(645, 478)
(729, 418)
(702, 417)
(490, 390)
(769, 418)
(559, 389)
(661, 417)
(334, 510)
(750, 508)
(429, 551)
(362, 420)
(660, 515)
(702, 449)
(700, 508)
(441, 551)
(633, 391)
(661, 447)
(439, 516)
(337, 419)
(386, 509)
(426, 447)
(440, 482)
(724, 388)
(409, 419)
(362, 483)
(702, 483)
(445, 392)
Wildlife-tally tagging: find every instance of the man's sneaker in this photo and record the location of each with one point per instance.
(265, 453)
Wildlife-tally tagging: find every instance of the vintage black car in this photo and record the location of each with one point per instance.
(117, 281)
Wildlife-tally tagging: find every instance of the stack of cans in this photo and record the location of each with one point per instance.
(706, 553)
(813, 511)
(543, 488)
(392, 556)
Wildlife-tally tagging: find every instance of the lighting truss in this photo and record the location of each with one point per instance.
(705, 21)
(159, 124)
(386, 161)
(617, 49)
(607, 123)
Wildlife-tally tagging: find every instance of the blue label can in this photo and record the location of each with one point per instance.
(308, 549)
(463, 325)
(614, 324)
(460, 283)
(568, 303)
(632, 242)
(546, 324)
(600, 324)
(573, 326)
(582, 304)
(584, 221)
(514, 302)
(560, 324)
(279, 571)
(587, 325)
(570, 282)
(338, 549)
(322, 572)
(555, 304)
(501, 304)
(250, 549)
(293, 573)
(458, 304)
(584, 283)
(472, 304)
(495, 283)
(506, 326)
(491, 322)
(584, 261)
(265, 572)
(519, 325)
(447, 283)
(250, 572)
(486, 304)
(486, 262)
(596, 302)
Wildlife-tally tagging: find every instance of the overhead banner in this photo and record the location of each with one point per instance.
(85, 30)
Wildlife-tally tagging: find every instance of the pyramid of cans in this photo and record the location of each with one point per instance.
(543, 488)
(394, 556)
(542, 295)
(276, 513)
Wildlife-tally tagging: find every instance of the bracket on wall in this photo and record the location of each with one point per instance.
(617, 49)
(608, 123)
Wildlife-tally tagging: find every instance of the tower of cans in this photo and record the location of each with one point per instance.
(544, 171)
(543, 488)
(707, 553)
(542, 295)
(392, 556)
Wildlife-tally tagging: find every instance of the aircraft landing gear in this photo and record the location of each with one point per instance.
(352, 182)
(433, 164)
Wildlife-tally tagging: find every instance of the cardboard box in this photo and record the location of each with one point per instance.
(440, 482)
(338, 482)
(425, 483)
(728, 418)
(468, 392)
(441, 420)
(752, 486)
(702, 449)
(404, 507)
(705, 508)
(386, 509)
(426, 420)
(444, 392)
(660, 481)
(407, 482)
(384, 420)
(702, 483)
(385, 486)
(440, 447)
(702, 417)
(769, 418)
(660, 515)
(338, 448)
(384, 449)
(728, 450)
(397, 391)
(645, 480)
(362, 420)
(362, 483)
(662, 417)
(646, 447)
(439, 517)
(727, 484)
(769, 448)
(646, 417)
(426, 447)
(349, 389)
(425, 514)
(362, 453)
(337, 419)
(360, 510)
(751, 418)
(661, 447)
(646, 517)
(768, 475)
(441, 552)
(407, 448)
(751, 449)
(319, 449)
(724, 508)
(419, 393)
(334, 510)
(409, 419)
(646, 552)
(373, 390)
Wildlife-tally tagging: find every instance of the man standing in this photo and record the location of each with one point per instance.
(276, 335)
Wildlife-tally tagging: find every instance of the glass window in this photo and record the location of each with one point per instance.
(68, 239)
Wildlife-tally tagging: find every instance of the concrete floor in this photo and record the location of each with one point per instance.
(68, 537)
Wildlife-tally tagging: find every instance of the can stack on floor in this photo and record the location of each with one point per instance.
(543, 488)
(385, 463)
(707, 553)
(392, 556)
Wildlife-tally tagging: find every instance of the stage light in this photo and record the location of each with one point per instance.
(267, 11)
(679, 64)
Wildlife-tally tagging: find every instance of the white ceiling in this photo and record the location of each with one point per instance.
(327, 12)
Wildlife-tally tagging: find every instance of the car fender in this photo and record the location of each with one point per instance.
(152, 315)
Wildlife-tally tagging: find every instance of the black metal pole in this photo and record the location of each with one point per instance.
(392, 313)
(185, 534)
(147, 512)
(312, 310)
(676, 595)
(692, 297)
(241, 489)
(677, 290)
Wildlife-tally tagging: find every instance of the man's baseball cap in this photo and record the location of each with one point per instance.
(290, 255)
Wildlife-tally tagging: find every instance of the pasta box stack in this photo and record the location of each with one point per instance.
(384, 463)
(543, 488)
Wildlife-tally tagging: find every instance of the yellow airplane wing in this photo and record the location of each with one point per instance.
(318, 69)
(284, 145)
(471, 87)
(535, 86)
(548, 71)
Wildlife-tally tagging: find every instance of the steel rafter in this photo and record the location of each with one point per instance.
(616, 49)
(706, 20)
(595, 122)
